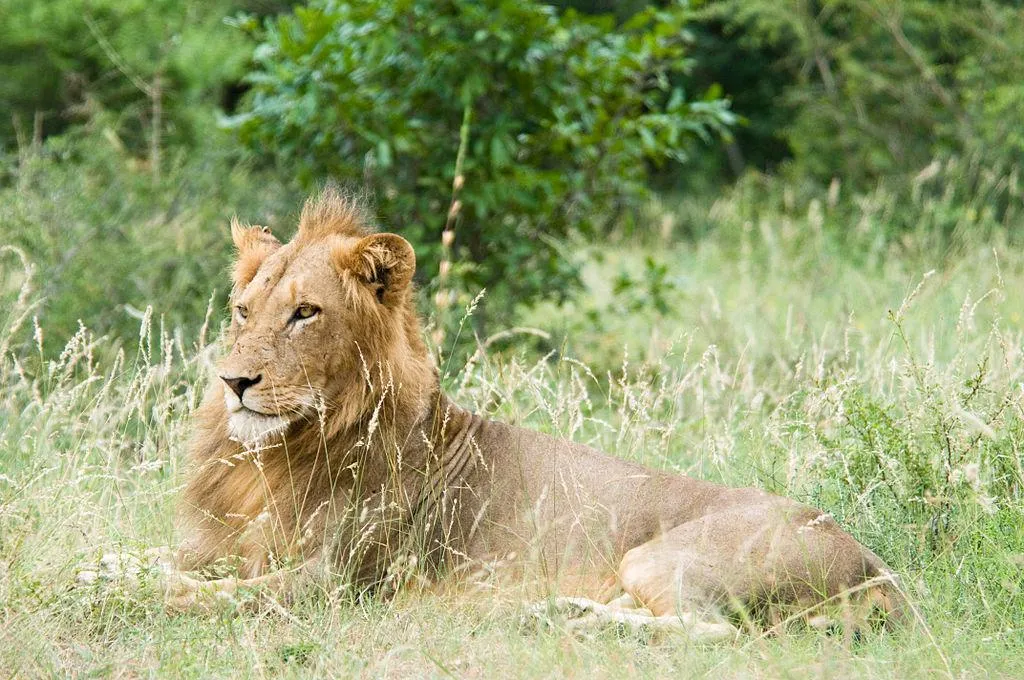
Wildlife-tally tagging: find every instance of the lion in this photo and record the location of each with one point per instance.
(325, 445)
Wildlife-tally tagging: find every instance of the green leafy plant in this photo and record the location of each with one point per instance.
(566, 115)
(156, 70)
(875, 88)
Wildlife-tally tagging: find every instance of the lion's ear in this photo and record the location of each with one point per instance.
(385, 262)
(253, 245)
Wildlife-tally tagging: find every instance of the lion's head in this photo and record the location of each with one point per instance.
(322, 326)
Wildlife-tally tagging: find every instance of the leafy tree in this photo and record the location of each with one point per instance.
(554, 121)
(153, 70)
(879, 88)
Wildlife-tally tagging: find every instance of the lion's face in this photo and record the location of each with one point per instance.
(283, 325)
(310, 320)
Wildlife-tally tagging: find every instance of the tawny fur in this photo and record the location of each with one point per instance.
(253, 245)
(373, 465)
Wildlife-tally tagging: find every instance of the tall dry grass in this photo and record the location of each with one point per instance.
(889, 396)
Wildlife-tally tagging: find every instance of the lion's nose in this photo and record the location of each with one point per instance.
(240, 384)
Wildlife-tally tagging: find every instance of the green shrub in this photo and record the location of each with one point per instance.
(874, 88)
(556, 118)
(67, 61)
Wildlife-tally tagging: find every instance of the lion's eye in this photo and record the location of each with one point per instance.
(305, 312)
(242, 311)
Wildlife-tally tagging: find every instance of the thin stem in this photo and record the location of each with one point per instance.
(443, 299)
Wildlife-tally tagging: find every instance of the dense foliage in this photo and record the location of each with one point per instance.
(117, 210)
(556, 121)
(907, 111)
(152, 70)
(867, 89)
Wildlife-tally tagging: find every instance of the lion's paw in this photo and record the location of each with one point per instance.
(125, 566)
(182, 593)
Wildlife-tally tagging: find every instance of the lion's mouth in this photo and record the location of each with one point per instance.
(253, 428)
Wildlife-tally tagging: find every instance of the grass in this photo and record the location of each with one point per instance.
(886, 389)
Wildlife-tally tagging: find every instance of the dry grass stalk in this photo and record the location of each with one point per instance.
(445, 296)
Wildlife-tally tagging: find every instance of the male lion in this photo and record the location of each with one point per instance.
(326, 444)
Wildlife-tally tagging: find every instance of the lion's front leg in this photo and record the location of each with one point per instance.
(186, 587)
(176, 576)
(184, 592)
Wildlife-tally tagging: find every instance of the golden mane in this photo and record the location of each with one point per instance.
(368, 363)
(334, 211)
(253, 245)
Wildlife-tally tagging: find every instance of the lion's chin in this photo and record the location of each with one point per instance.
(253, 429)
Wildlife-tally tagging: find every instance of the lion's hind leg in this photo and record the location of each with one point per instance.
(762, 565)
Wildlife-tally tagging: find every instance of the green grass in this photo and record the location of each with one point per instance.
(887, 396)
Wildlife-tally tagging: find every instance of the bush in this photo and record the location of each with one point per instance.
(555, 121)
(67, 61)
(875, 88)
